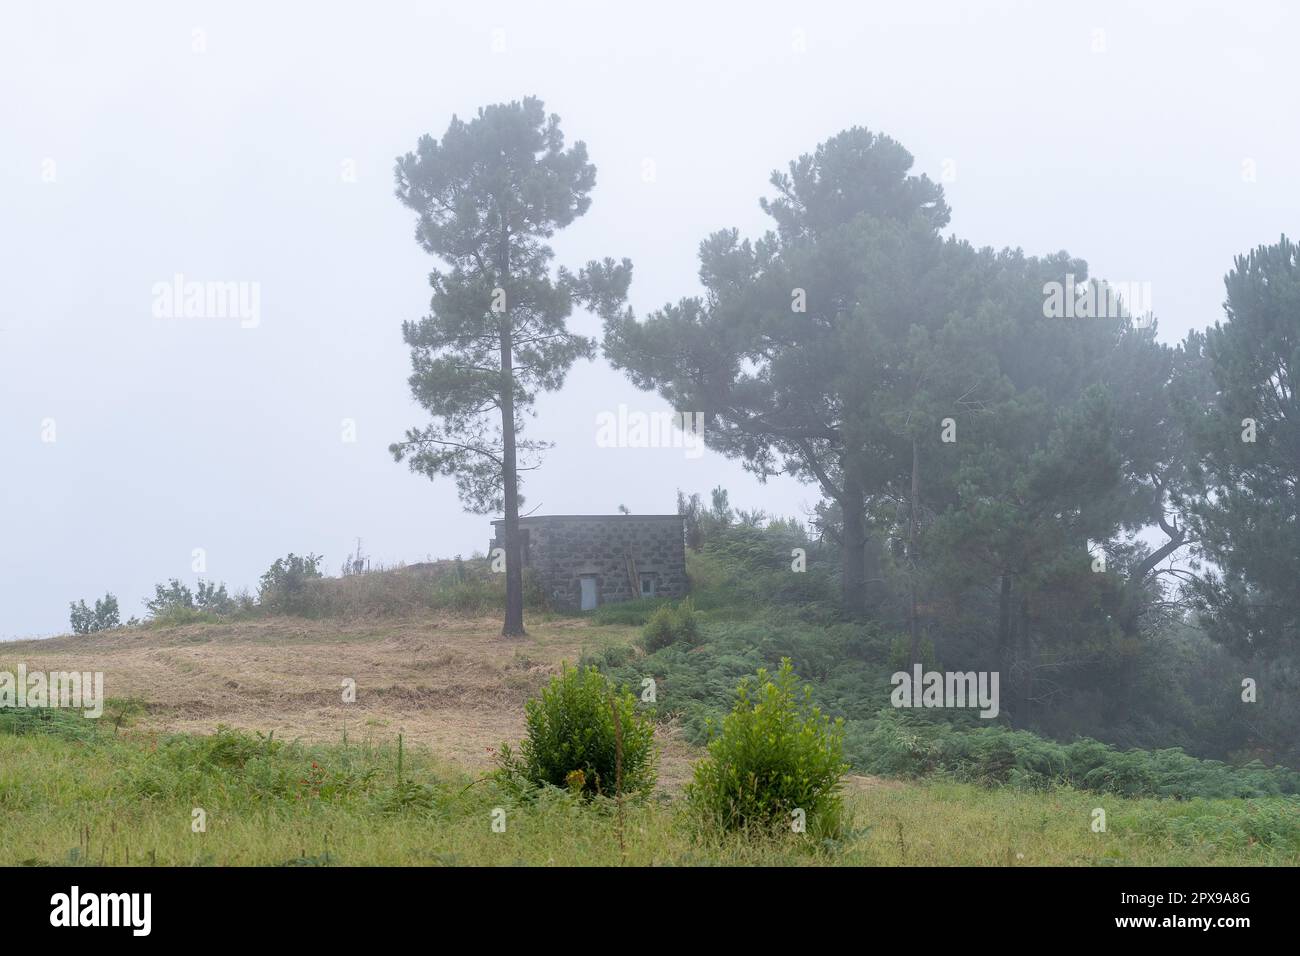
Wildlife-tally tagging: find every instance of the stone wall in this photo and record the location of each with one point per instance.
(562, 549)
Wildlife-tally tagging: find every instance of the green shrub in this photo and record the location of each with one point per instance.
(284, 588)
(213, 598)
(572, 738)
(743, 571)
(174, 603)
(104, 616)
(169, 598)
(671, 625)
(777, 754)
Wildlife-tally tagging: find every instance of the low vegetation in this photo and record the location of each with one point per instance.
(585, 736)
(294, 586)
(723, 664)
(103, 616)
(126, 798)
(671, 624)
(846, 666)
(775, 766)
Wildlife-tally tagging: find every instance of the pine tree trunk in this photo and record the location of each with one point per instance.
(514, 623)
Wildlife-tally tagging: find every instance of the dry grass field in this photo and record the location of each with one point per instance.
(448, 684)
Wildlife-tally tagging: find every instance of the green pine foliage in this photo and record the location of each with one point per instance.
(1243, 502)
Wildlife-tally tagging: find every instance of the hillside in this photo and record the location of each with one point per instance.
(244, 720)
(447, 683)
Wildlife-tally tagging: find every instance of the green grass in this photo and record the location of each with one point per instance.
(628, 613)
(68, 797)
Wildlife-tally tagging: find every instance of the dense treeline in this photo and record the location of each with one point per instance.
(1178, 689)
(1068, 501)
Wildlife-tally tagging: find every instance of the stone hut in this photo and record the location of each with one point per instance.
(583, 561)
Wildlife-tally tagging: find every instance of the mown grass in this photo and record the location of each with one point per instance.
(122, 798)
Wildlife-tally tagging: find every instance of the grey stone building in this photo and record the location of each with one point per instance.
(583, 561)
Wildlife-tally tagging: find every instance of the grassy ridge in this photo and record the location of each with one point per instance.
(117, 799)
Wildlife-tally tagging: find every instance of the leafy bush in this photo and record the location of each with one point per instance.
(170, 597)
(284, 586)
(671, 625)
(175, 603)
(574, 732)
(777, 754)
(103, 617)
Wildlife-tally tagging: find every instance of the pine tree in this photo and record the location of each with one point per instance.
(487, 197)
(783, 355)
(1245, 504)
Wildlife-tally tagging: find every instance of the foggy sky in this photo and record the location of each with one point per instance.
(216, 141)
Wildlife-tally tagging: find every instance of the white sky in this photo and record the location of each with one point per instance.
(225, 165)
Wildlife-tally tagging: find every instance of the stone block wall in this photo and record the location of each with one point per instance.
(562, 549)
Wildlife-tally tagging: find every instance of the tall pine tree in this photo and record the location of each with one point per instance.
(487, 197)
(787, 354)
(1244, 507)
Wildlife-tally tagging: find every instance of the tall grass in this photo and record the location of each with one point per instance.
(128, 800)
(465, 587)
